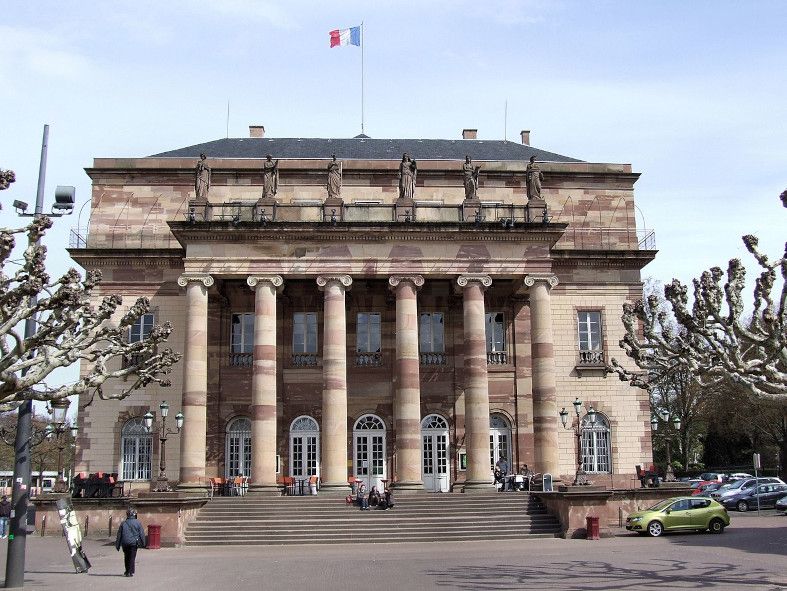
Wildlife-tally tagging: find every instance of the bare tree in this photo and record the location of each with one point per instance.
(70, 330)
(713, 340)
(6, 178)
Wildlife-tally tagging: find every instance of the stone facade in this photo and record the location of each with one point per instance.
(530, 267)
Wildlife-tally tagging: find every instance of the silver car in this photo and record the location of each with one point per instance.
(742, 485)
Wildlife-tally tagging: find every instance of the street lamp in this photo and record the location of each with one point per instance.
(669, 475)
(161, 483)
(56, 431)
(581, 477)
(20, 494)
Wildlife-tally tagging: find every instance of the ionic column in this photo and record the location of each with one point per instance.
(263, 384)
(334, 380)
(407, 401)
(479, 473)
(545, 417)
(193, 436)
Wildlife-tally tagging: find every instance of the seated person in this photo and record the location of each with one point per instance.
(374, 497)
(387, 500)
(360, 498)
(527, 476)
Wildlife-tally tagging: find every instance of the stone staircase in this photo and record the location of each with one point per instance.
(329, 520)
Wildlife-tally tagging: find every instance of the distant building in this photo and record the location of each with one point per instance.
(414, 341)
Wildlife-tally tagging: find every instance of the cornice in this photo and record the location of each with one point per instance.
(114, 257)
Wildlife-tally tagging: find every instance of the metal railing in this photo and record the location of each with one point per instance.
(433, 358)
(368, 359)
(305, 360)
(241, 359)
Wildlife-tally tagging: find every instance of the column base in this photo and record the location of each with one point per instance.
(478, 487)
(264, 490)
(335, 489)
(193, 489)
(414, 487)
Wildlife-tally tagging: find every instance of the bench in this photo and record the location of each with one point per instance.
(648, 478)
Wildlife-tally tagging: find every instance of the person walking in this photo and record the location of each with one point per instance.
(5, 515)
(130, 536)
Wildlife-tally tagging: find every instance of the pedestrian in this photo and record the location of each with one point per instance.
(130, 537)
(5, 514)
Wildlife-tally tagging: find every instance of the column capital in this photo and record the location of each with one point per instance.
(186, 278)
(395, 280)
(549, 278)
(324, 280)
(254, 281)
(464, 280)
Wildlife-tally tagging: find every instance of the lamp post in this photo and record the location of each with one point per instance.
(20, 495)
(669, 475)
(56, 430)
(581, 477)
(161, 484)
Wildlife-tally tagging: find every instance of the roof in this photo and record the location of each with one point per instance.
(365, 148)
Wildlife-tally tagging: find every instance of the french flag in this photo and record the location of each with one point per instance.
(351, 36)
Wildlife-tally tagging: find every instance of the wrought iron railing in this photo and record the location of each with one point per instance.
(241, 359)
(368, 359)
(305, 360)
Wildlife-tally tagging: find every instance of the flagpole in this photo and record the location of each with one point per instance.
(362, 44)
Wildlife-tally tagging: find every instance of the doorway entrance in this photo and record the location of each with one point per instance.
(238, 448)
(434, 454)
(499, 441)
(369, 451)
(304, 448)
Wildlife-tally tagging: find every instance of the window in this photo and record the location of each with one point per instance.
(495, 338)
(136, 445)
(304, 332)
(140, 329)
(368, 339)
(589, 328)
(238, 448)
(431, 339)
(242, 340)
(595, 445)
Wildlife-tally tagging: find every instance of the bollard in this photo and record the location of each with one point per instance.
(620, 516)
(43, 525)
(110, 527)
(592, 528)
(87, 523)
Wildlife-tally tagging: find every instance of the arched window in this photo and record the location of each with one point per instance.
(137, 444)
(499, 440)
(304, 447)
(238, 451)
(596, 455)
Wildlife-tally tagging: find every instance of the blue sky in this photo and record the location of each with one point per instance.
(692, 94)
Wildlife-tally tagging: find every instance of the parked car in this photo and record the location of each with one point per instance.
(739, 475)
(745, 499)
(742, 484)
(717, 476)
(680, 514)
(781, 505)
(706, 489)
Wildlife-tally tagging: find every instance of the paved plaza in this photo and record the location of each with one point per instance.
(751, 554)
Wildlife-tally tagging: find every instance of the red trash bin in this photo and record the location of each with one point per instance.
(592, 528)
(154, 537)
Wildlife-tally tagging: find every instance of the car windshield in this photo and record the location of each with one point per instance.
(661, 505)
(736, 484)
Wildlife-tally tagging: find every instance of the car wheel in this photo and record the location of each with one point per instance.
(655, 529)
(742, 506)
(716, 526)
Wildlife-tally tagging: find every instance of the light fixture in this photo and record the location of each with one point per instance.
(147, 419)
(64, 198)
(676, 423)
(20, 206)
(59, 410)
(654, 424)
(564, 417)
(74, 430)
(577, 405)
(664, 414)
(164, 408)
(592, 415)
(179, 420)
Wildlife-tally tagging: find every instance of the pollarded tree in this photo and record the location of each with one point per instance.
(70, 329)
(713, 339)
(6, 178)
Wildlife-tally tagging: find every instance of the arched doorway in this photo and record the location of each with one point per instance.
(304, 448)
(369, 451)
(434, 453)
(238, 448)
(499, 440)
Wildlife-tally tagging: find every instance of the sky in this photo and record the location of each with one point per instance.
(691, 94)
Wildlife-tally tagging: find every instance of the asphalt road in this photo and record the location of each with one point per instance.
(749, 555)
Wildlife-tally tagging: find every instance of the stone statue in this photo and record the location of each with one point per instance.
(533, 178)
(270, 177)
(202, 178)
(470, 174)
(334, 178)
(407, 173)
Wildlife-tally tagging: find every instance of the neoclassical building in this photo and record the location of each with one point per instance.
(409, 319)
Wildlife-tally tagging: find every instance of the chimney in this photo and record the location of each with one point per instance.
(525, 133)
(256, 131)
(469, 134)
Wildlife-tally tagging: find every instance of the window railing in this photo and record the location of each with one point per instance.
(368, 359)
(241, 359)
(305, 360)
(135, 359)
(591, 358)
(496, 358)
(433, 358)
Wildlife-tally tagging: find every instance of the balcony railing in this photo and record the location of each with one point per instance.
(496, 358)
(133, 359)
(305, 360)
(591, 358)
(241, 359)
(433, 358)
(368, 359)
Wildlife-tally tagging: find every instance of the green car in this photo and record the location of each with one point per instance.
(680, 514)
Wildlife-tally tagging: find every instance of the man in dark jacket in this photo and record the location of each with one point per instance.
(5, 514)
(130, 536)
